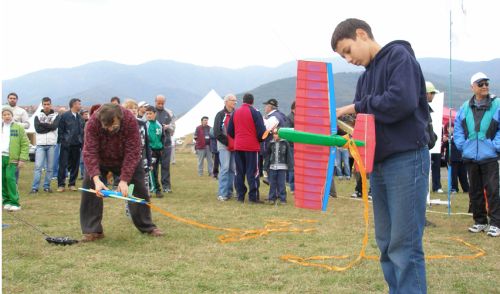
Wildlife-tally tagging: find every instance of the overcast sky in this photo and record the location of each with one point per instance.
(38, 34)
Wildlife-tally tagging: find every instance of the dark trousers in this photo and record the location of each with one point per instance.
(436, 171)
(277, 184)
(215, 170)
(91, 206)
(165, 167)
(247, 165)
(483, 178)
(69, 159)
(156, 154)
(359, 184)
(459, 173)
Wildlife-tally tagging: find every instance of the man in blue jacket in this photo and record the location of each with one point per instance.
(477, 136)
(393, 89)
(70, 136)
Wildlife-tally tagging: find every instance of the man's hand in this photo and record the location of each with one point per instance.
(123, 188)
(99, 185)
(20, 164)
(348, 109)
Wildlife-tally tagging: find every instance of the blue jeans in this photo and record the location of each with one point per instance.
(44, 158)
(342, 159)
(399, 187)
(277, 184)
(57, 151)
(226, 173)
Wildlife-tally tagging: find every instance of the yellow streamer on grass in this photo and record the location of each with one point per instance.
(235, 234)
(308, 261)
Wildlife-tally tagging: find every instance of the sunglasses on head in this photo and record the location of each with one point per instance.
(481, 84)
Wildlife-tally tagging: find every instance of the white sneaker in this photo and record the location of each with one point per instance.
(221, 198)
(493, 231)
(7, 206)
(14, 208)
(478, 228)
(440, 191)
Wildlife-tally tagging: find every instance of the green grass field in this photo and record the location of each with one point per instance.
(192, 260)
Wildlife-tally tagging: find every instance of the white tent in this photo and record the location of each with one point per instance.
(208, 106)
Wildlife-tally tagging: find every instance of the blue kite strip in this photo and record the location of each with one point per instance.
(333, 130)
(117, 195)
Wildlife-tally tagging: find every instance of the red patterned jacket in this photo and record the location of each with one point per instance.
(122, 149)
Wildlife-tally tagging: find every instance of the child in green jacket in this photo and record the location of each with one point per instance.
(15, 148)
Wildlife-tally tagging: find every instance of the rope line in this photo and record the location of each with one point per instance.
(235, 234)
(314, 261)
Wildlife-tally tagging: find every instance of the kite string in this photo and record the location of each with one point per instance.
(307, 261)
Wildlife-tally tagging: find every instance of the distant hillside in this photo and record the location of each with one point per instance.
(435, 70)
(284, 91)
(185, 84)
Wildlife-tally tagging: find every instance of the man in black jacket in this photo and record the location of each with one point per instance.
(70, 136)
(225, 147)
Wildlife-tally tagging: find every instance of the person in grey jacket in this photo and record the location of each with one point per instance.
(167, 119)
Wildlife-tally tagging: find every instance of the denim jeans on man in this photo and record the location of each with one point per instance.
(226, 172)
(342, 167)
(57, 152)
(44, 158)
(399, 185)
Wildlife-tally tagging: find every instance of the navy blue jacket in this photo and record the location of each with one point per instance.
(393, 89)
(70, 131)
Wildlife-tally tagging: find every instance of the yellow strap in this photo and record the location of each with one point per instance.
(362, 254)
(235, 234)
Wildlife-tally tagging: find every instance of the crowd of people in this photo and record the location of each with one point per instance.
(126, 144)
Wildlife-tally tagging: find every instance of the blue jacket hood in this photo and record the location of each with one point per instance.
(393, 89)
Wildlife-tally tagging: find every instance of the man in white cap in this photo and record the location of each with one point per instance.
(435, 157)
(477, 136)
(141, 109)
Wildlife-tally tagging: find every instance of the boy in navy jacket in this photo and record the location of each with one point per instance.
(393, 89)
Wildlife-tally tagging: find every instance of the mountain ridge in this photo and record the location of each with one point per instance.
(185, 84)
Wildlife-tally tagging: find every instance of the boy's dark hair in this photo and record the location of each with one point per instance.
(115, 99)
(205, 117)
(107, 113)
(73, 101)
(12, 94)
(151, 108)
(46, 99)
(293, 105)
(248, 98)
(347, 30)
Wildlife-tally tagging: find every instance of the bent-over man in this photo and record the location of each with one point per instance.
(113, 143)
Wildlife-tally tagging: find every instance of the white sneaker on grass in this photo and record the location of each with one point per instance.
(221, 198)
(15, 208)
(440, 191)
(7, 206)
(493, 231)
(478, 228)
